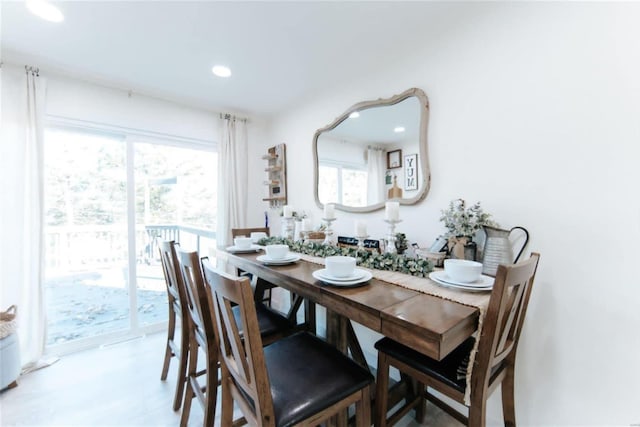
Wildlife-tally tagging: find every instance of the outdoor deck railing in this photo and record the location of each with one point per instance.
(86, 246)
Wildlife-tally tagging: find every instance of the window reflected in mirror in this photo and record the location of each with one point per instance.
(342, 184)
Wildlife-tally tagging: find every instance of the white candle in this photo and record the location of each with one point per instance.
(392, 211)
(329, 211)
(287, 211)
(361, 228)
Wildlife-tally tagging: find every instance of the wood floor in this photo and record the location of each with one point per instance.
(117, 385)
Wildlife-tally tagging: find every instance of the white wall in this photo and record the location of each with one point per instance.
(70, 98)
(535, 112)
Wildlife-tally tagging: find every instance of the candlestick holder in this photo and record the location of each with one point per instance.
(361, 240)
(287, 228)
(328, 233)
(390, 246)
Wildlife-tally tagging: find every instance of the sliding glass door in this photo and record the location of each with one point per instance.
(85, 235)
(176, 199)
(109, 201)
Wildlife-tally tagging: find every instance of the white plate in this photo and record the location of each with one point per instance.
(367, 276)
(237, 250)
(482, 282)
(485, 283)
(290, 258)
(357, 275)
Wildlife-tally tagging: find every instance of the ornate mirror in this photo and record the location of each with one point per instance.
(374, 152)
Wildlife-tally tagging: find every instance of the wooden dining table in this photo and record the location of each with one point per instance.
(429, 324)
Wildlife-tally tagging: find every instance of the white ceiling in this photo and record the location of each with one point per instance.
(376, 125)
(281, 53)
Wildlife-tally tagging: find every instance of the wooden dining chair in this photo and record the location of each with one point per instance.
(203, 336)
(262, 287)
(494, 361)
(237, 232)
(176, 296)
(272, 324)
(298, 380)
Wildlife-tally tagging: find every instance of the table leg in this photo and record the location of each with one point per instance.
(310, 315)
(337, 331)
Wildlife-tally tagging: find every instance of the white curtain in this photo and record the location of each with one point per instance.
(23, 100)
(375, 175)
(232, 178)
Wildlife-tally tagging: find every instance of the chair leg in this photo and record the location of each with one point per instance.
(189, 395)
(382, 391)
(508, 398)
(168, 353)
(363, 409)
(478, 413)
(182, 367)
(226, 418)
(212, 388)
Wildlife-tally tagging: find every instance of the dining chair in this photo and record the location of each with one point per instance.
(494, 361)
(176, 296)
(237, 232)
(202, 335)
(262, 287)
(298, 380)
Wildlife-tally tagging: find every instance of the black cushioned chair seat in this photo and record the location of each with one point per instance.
(444, 370)
(317, 377)
(269, 321)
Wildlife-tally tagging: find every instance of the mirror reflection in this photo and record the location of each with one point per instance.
(374, 152)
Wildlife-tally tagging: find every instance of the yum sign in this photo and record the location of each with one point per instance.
(411, 172)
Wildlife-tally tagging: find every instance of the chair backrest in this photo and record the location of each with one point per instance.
(504, 318)
(171, 270)
(241, 353)
(198, 300)
(235, 232)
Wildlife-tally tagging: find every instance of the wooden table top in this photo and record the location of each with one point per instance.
(429, 324)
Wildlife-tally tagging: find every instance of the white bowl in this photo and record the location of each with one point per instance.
(340, 266)
(277, 251)
(462, 270)
(243, 242)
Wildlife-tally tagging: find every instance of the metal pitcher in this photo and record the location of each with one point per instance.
(498, 248)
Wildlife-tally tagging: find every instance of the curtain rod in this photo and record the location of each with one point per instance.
(229, 116)
(32, 70)
(225, 116)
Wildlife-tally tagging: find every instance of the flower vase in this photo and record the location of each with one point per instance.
(462, 247)
(470, 251)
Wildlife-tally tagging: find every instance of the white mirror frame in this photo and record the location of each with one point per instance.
(424, 176)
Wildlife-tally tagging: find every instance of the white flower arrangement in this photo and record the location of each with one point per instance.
(461, 221)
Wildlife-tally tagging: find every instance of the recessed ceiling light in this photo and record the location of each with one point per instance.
(45, 10)
(398, 129)
(221, 71)
(354, 115)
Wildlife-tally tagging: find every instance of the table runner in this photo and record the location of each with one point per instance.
(479, 300)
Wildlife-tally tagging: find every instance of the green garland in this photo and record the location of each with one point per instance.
(370, 259)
